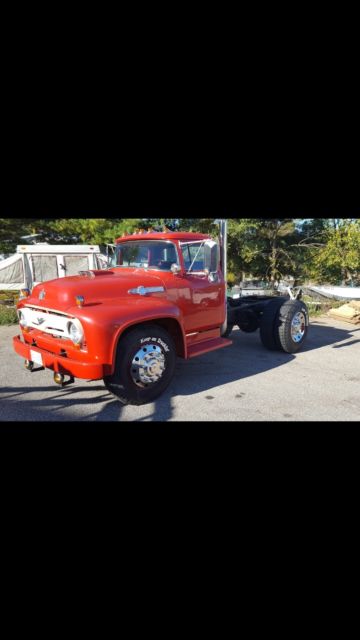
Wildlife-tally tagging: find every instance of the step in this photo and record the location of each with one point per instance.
(208, 345)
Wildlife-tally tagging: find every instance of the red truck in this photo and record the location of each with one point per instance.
(164, 297)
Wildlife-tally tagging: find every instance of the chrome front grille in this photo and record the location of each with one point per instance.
(46, 320)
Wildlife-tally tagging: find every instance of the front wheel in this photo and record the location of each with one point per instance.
(144, 367)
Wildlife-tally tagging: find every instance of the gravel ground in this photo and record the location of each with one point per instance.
(244, 382)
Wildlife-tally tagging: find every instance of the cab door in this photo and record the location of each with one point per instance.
(204, 301)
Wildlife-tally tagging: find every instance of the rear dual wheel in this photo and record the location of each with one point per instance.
(284, 325)
(145, 364)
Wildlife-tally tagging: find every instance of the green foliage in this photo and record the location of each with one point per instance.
(9, 295)
(231, 279)
(94, 230)
(203, 225)
(322, 250)
(260, 246)
(11, 230)
(64, 230)
(7, 315)
(339, 258)
(330, 251)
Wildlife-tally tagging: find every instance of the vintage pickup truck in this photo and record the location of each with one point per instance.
(163, 298)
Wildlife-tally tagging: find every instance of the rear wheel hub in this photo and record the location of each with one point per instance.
(298, 325)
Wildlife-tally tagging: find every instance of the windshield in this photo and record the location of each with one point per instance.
(148, 254)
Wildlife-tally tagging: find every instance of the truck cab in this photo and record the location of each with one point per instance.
(188, 266)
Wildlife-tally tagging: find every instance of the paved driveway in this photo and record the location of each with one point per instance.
(244, 382)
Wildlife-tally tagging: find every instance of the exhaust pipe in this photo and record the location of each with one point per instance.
(223, 262)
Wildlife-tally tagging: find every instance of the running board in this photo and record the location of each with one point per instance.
(208, 345)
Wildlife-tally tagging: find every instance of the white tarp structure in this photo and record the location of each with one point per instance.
(32, 264)
(339, 293)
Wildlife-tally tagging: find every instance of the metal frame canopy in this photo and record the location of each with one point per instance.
(58, 248)
(19, 270)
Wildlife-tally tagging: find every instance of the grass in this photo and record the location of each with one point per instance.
(11, 296)
(7, 315)
(8, 300)
(319, 308)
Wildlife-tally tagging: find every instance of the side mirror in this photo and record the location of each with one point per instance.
(175, 268)
(211, 256)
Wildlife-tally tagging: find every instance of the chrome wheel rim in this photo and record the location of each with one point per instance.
(148, 365)
(298, 327)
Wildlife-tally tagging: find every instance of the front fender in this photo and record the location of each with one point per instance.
(104, 323)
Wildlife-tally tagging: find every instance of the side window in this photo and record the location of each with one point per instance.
(193, 255)
(44, 267)
(74, 264)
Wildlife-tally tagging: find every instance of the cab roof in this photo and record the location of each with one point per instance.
(185, 236)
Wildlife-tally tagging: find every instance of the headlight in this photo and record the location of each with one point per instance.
(22, 319)
(76, 332)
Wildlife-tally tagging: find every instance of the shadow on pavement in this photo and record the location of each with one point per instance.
(346, 344)
(246, 357)
(321, 335)
(54, 406)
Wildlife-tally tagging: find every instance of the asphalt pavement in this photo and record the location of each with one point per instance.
(243, 382)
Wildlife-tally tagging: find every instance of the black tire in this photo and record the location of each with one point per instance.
(267, 323)
(250, 322)
(277, 330)
(292, 326)
(228, 331)
(128, 383)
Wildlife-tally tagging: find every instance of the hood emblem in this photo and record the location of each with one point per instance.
(40, 320)
(142, 291)
(42, 294)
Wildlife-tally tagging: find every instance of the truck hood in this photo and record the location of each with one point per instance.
(94, 286)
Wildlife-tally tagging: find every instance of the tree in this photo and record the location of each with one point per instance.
(243, 246)
(328, 250)
(339, 258)
(277, 235)
(321, 249)
(260, 246)
(12, 230)
(64, 230)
